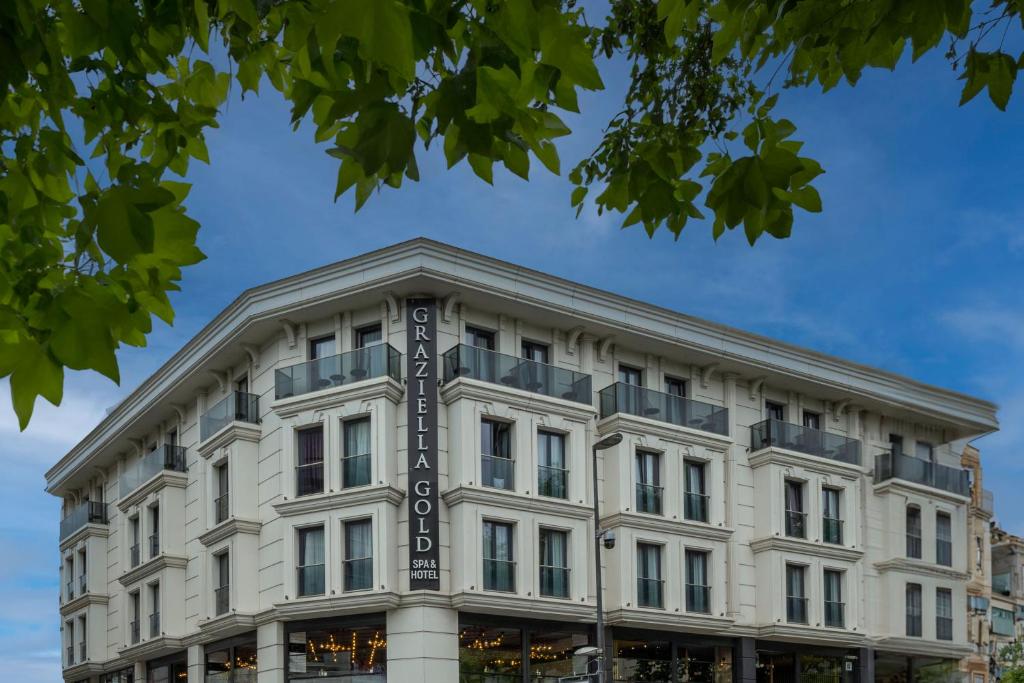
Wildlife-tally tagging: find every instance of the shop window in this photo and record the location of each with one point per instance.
(339, 653)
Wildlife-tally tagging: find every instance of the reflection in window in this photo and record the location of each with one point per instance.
(490, 655)
(339, 654)
(642, 661)
(232, 664)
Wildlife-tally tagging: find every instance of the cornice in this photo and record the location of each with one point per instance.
(903, 564)
(150, 649)
(101, 530)
(163, 478)
(920, 646)
(514, 604)
(904, 486)
(229, 433)
(425, 599)
(476, 390)
(515, 501)
(83, 601)
(659, 524)
(804, 546)
(82, 670)
(802, 633)
(150, 567)
(345, 603)
(674, 621)
(230, 527)
(220, 627)
(323, 502)
(368, 389)
(635, 424)
(786, 458)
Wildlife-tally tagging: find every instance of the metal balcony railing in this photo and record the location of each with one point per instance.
(154, 545)
(648, 498)
(698, 598)
(220, 508)
(656, 405)
(835, 614)
(498, 472)
(778, 434)
(154, 624)
(237, 406)
(796, 609)
(221, 599)
(796, 524)
(554, 581)
(368, 362)
(832, 530)
(518, 373)
(650, 592)
(552, 482)
(499, 575)
(918, 471)
(167, 457)
(695, 506)
(134, 628)
(86, 513)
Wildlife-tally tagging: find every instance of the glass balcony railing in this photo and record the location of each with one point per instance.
(499, 575)
(220, 507)
(677, 410)
(237, 406)
(86, 513)
(796, 610)
(552, 482)
(154, 624)
(71, 655)
(650, 592)
(70, 591)
(134, 627)
(698, 598)
(695, 506)
(135, 555)
(221, 599)
(554, 581)
(358, 574)
(167, 457)
(835, 613)
(518, 373)
(355, 470)
(1002, 583)
(832, 530)
(311, 579)
(82, 652)
(154, 545)
(796, 524)
(778, 434)
(648, 498)
(368, 362)
(83, 584)
(897, 466)
(497, 472)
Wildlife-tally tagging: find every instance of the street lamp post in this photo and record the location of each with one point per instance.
(599, 533)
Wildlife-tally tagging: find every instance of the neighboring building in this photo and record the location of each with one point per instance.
(381, 470)
(1007, 623)
(979, 584)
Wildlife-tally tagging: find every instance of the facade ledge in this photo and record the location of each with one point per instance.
(376, 387)
(672, 621)
(476, 390)
(150, 567)
(101, 530)
(512, 500)
(346, 603)
(159, 480)
(664, 430)
(230, 527)
(802, 633)
(232, 431)
(904, 486)
(425, 599)
(82, 670)
(150, 649)
(637, 520)
(83, 601)
(787, 458)
(322, 502)
(220, 627)
(903, 564)
(919, 646)
(514, 604)
(807, 547)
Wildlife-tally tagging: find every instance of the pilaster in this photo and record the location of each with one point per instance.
(423, 644)
(270, 652)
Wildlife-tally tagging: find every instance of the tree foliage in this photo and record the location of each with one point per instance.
(103, 103)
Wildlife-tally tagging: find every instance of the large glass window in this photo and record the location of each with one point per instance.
(309, 470)
(321, 348)
(535, 351)
(695, 503)
(496, 464)
(796, 594)
(358, 555)
(552, 468)
(311, 561)
(914, 532)
(554, 563)
(943, 614)
(126, 675)
(796, 518)
(831, 518)
(499, 559)
(369, 335)
(356, 655)
(835, 609)
(631, 376)
(649, 585)
(355, 466)
(698, 588)
(154, 605)
(648, 482)
(642, 661)
(914, 609)
(167, 670)
(943, 539)
(231, 663)
(478, 338)
(490, 655)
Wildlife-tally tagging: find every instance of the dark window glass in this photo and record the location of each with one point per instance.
(896, 444)
(552, 468)
(481, 339)
(796, 519)
(535, 351)
(311, 561)
(943, 614)
(628, 375)
(309, 471)
(834, 606)
(496, 464)
(812, 420)
(358, 555)
(675, 387)
(321, 348)
(943, 539)
(499, 560)
(776, 411)
(490, 654)
(914, 609)
(339, 654)
(355, 465)
(914, 532)
(648, 482)
(698, 588)
(695, 502)
(796, 594)
(649, 588)
(368, 336)
(554, 563)
(831, 517)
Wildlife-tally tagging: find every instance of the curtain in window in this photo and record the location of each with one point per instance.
(648, 561)
(358, 540)
(943, 527)
(311, 546)
(913, 600)
(496, 439)
(833, 586)
(696, 568)
(551, 449)
(223, 570)
(794, 581)
(647, 468)
(830, 503)
(943, 603)
(497, 541)
(694, 477)
(311, 445)
(794, 496)
(357, 437)
(554, 548)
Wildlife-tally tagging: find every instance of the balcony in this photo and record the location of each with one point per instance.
(517, 373)
(1002, 583)
(832, 530)
(552, 482)
(698, 598)
(695, 507)
(499, 575)
(378, 360)
(167, 457)
(918, 471)
(778, 434)
(237, 406)
(310, 580)
(796, 610)
(796, 524)
(655, 405)
(497, 472)
(154, 624)
(835, 614)
(650, 592)
(86, 513)
(355, 470)
(554, 581)
(221, 600)
(648, 498)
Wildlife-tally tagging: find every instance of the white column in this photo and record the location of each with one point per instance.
(140, 672)
(196, 670)
(423, 644)
(270, 652)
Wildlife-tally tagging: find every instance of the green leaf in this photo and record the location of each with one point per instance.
(563, 46)
(482, 166)
(35, 374)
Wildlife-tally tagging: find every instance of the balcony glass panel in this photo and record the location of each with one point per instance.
(1002, 621)
(648, 498)
(134, 627)
(552, 482)
(834, 614)
(86, 513)
(1002, 583)
(166, 457)
(695, 507)
(311, 579)
(796, 524)
(796, 610)
(554, 582)
(498, 473)
(518, 373)
(359, 574)
(221, 599)
(499, 575)
(368, 362)
(237, 406)
(656, 405)
(355, 470)
(154, 545)
(154, 625)
(832, 530)
(944, 628)
(698, 598)
(778, 434)
(650, 592)
(135, 555)
(896, 466)
(220, 505)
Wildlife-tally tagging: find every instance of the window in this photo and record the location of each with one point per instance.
(69, 573)
(812, 420)
(358, 555)
(369, 335)
(943, 539)
(242, 386)
(83, 648)
(222, 590)
(481, 339)
(695, 504)
(69, 630)
(355, 463)
(309, 472)
(896, 444)
(323, 347)
(535, 351)
(631, 376)
(831, 521)
(914, 609)
(311, 561)
(154, 615)
(554, 563)
(796, 595)
(232, 664)
(675, 387)
(337, 654)
(924, 451)
(914, 532)
(834, 606)
(943, 614)
(649, 587)
(698, 591)
(83, 573)
(496, 463)
(133, 625)
(499, 560)
(648, 482)
(552, 469)
(222, 499)
(775, 411)
(133, 528)
(796, 518)
(154, 526)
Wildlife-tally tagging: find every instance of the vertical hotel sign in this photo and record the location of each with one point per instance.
(424, 525)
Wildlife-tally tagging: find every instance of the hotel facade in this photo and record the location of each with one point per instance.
(382, 470)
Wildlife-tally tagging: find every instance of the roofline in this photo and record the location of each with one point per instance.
(535, 288)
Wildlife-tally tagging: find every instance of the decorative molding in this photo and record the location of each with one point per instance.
(602, 347)
(645, 426)
(476, 390)
(572, 340)
(813, 635)
(149, 649)
(181, 411)
(220, 627)
(650, 617)
(804, 546)
(903, 486)
(152, 566)
(773, 455)
(232, 431)
(660, 524)
(521, 605)
(907, 565)
(756, 384)
(945, 649)
(337, 604)
(253, 352)
(91, 529)
(839, 409)
(290, 332)
(83, 601)
(510, 500)
(323, 502)
(365, 390)
(222, 379)
(82, 670)
(394, 310)
(230, 527)
(448, 306)
(163, 478)
(706, 372)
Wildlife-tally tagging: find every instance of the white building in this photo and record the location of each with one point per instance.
(248, 513)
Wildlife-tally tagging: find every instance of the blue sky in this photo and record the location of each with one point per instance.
(915, 266)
